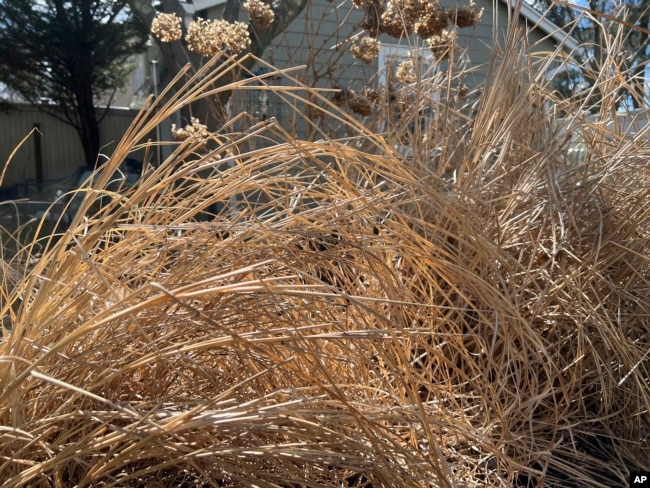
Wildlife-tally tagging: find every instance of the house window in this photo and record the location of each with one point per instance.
(413, 80)
(391, 56)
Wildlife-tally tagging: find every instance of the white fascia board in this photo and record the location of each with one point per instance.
(538, 19)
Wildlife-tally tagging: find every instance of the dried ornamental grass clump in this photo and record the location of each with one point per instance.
(322, 313)
(235, 351)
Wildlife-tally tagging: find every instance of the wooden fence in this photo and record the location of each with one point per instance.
(53, 151)
(632, 125)
(61, 155)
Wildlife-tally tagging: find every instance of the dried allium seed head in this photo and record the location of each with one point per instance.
(260, 13)
(467, 16)
(366, 49)
(406, 72)
(167, 27)
(442, 45)
(432, 22)
(360, 105)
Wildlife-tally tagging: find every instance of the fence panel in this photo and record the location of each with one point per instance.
(57, 143)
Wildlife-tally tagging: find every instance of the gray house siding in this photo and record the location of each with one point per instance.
(477, 42)
(315, 39)
(316, 42)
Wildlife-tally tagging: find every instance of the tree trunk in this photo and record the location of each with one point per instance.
(83, 72)
(88, 131)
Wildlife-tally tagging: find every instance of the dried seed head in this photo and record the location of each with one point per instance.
(372, 94)
(193, 132)
(370, 21)
(360, 104)
(260, 13)
(412, 9)
(467, 16)
(341, 97)
(393, 21)
(401, 15)
(212, 38)
(366, 49)
(238, 38)
(442, 45)
(202, 39)
(406, 72)
(432, 22)
(167, 27)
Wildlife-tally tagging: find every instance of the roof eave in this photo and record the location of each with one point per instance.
(540, 21)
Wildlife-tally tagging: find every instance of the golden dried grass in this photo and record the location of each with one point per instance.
(333, 313)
